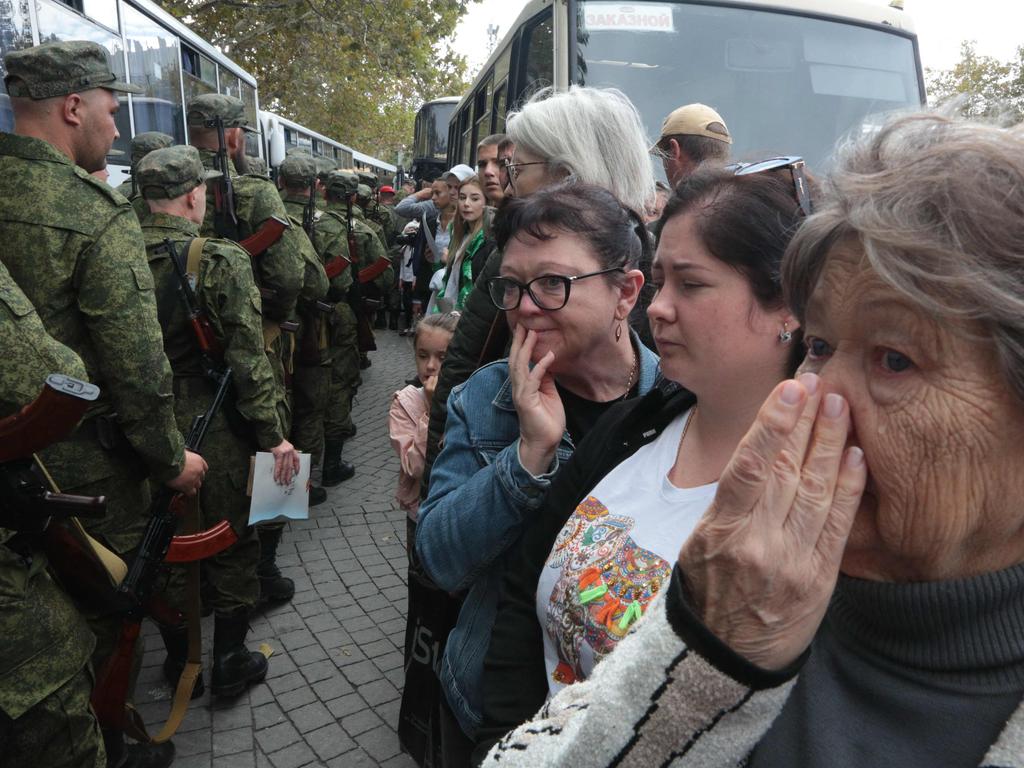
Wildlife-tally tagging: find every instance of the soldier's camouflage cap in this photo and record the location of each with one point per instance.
(257, 166)
(57, 69)
(203, 110)
(367, 178)
(324, 166)
(363, 192)
(146, 142)
(297, 170)
(342, 183)
(171, 172)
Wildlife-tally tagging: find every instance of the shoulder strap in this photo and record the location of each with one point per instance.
(194, 255)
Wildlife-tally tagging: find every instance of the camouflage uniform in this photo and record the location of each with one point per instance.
(279, 271)
(45, 681)
(312, 377)
(142, 145)
(227, 295)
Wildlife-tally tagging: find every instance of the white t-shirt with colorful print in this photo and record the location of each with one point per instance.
(613, 556)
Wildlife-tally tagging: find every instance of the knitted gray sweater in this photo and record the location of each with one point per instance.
(657, 701)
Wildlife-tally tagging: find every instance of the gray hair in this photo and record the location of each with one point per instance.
(937, 204)
(594, 134)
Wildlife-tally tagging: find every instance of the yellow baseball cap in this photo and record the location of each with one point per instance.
(695, 120)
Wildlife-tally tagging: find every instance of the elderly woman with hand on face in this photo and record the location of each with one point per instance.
(854, 596)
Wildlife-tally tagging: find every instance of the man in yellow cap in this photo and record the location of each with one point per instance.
(691, 135)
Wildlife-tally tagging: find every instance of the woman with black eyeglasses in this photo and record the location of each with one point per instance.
(567, 283)
(612, 523)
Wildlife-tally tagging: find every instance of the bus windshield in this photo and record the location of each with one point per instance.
(432, 131)
(785, 84)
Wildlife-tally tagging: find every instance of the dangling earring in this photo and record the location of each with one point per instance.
(785, 335)
(618, 331)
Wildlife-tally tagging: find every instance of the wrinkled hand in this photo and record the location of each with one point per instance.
(540, 409)
(763, 561)
(191, 477)
(286, 462)
(429, 385)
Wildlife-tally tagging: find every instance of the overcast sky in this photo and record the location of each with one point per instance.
(996, 25)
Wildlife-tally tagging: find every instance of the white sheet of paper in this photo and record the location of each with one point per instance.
(271, 501)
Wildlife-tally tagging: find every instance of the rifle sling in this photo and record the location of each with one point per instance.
(194, 255)
(193, 667)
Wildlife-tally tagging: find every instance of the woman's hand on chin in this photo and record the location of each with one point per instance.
(763, 561)
(541, 414)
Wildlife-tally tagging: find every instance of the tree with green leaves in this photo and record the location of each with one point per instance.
(354, 70)
(985, 86)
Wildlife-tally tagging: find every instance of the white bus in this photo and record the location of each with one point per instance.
(147, 46)
(281, 134)
(151, 48)
(788, 76)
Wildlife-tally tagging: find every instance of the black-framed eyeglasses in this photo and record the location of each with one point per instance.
(550, 292)
(795, 165)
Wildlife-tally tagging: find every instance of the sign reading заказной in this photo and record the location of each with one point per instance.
(624, 16)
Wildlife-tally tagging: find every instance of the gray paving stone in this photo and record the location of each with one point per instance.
(332, 694)
(232, 742)
(360, 722)
(330, 741)
(311, 717)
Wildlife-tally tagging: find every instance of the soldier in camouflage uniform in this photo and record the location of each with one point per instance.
(142, 145)
(45, 680)
(369, 247)
(279, 273)
(379, 221)
(95, 295)
(172, 182)
(311, 379)
(345, 356)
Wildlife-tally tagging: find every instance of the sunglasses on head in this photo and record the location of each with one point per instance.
(794, 164)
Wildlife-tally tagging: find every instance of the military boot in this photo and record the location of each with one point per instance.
(121, 755)
(335, 470)
(380, 322)
(274, 588)
(176, 643)
(317, 495)
(235, 667)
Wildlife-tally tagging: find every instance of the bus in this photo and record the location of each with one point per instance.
(151, 48)
(430, 139)
(147, 47)
(790, 77)
(279, 135)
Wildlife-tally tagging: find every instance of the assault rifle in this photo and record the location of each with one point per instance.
(309, 211)
(26, 504)
(225, 218)
(136, 592)
(356, 300)
(206, 340)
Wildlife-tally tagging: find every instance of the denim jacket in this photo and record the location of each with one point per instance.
(480, 499)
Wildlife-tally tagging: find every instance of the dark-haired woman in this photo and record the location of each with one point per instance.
(567, 284)
(612, 524)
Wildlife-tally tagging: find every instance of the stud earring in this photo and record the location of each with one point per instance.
(785, 335)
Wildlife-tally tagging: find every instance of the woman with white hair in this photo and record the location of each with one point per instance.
(588, 135)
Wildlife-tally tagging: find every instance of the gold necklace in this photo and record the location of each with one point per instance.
(686, 427)
(632, 373)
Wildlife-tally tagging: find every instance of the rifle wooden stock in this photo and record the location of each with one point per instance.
(270, 232)
(48, 419)
(199, 546)
(336, 266)
(375, 270)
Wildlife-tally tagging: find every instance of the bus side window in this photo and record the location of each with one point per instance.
(538, 65)
(498, 109)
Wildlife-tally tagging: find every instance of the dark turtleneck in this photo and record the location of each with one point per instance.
(918, 675)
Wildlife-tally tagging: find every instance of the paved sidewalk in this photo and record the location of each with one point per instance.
(333, 691)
